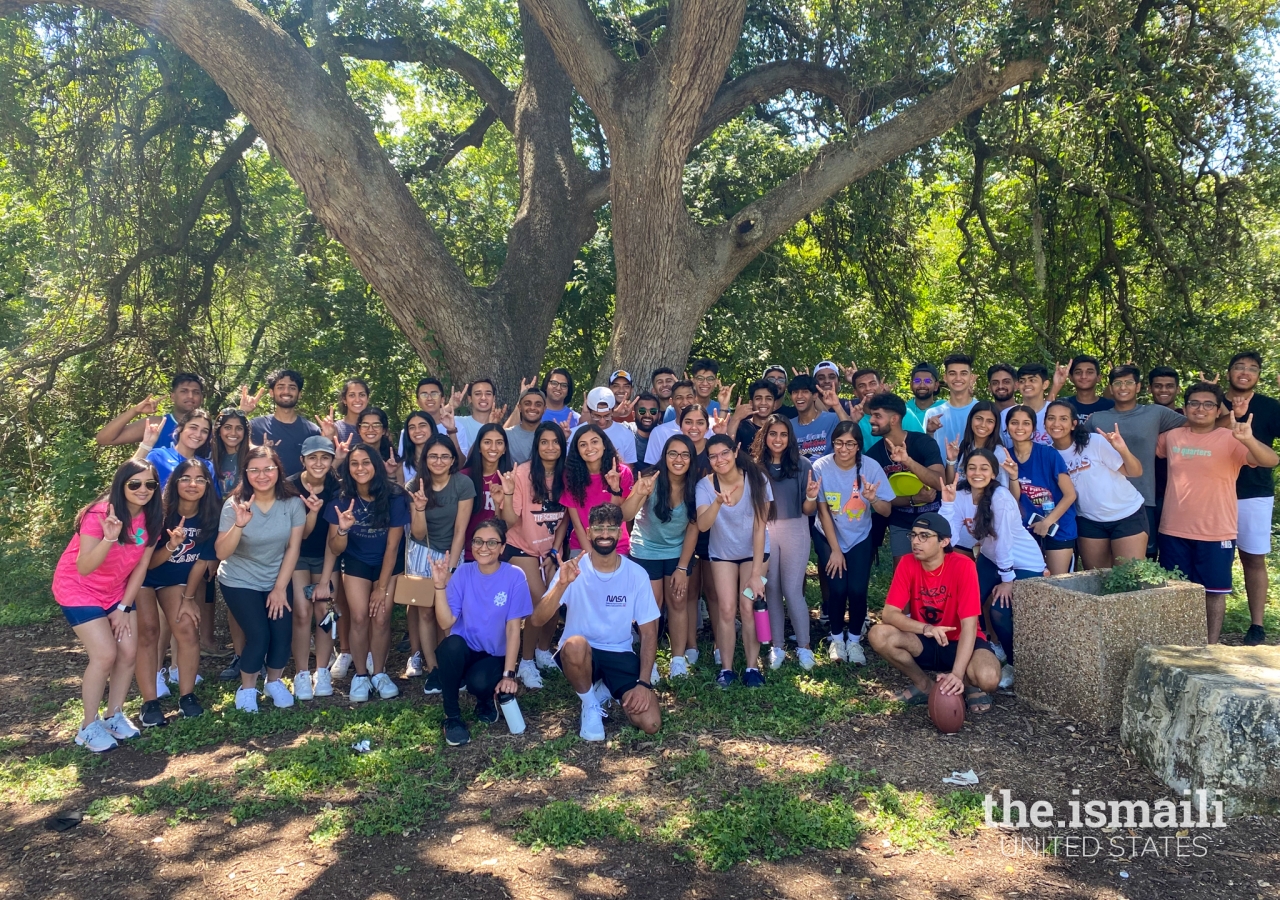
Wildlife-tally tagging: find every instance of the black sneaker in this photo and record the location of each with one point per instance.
(232, 671)
(486, 710)
(456, 733)
(189, 706)
(403, 646)
(152, 715)
(432, 683)
(1255, 635)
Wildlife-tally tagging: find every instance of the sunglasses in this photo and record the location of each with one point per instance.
(646, 411)
(135, 484)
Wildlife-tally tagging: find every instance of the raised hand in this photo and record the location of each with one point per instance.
(392, 465)
(1204, 376)
(527, 383)
(724, 396)
(848, 372)
(830, 399)
(1114, 438)
(568, 432)
(312, 502)
(440, 573)
(508, 482)
(347, 517)
(177, 535)
(1239, 406)
(568, 571)
(446, 417)
(499, 415)
(147, 407)
(455, 397)
(932, 424)
(419, 497)
(869, 491)
(327, 426)
(111, 525)
(1243, 430)
(151, 433)
(613, 477)
(953, 450)
(795, 371)
(249, 402)
(949, 489)
(1010, 467)
(898, 452)
(646, 483)
(1060, 375)
(342, 448)
(811, 488)
(244, 512)
(623, 409)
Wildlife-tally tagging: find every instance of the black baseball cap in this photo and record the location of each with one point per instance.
(934, 522)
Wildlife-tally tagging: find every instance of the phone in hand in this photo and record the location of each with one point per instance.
(1036, 517)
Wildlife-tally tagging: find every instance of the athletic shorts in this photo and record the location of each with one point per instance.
(357, 568)
(1135, 523)
(618, 671)
(943, 659)
(1050, 543)
(738, 562)
(312, 564)
(658, 569)
(511, 551)
(1254, 527)
(703, 548)
(79, 615)
(1204, 562)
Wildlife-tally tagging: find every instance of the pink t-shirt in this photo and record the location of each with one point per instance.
(596, 494)
(105, 585)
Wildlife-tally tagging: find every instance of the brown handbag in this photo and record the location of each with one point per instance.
(415, 590)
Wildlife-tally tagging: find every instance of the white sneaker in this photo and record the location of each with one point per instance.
(324, 683)
(302, 686)
(278, 693)
(1006, 677)
(385, 686)
(173, 676)
(999, 652)
(359, 692)
(655, 676)
(413, 668)
(528, 674)
(162, 685)
(247, 699)
(776, 657)
(691, 656)
(340, 665)
(368, 662)
(544, 659)
(715, 654)
(679, 667)
(96, 738)
(120, 727)
(853, 653)
(805, 657)
(835, 649)
(603, 697)
(592, 723)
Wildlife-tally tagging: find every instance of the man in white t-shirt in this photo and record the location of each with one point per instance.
(947, 421)
(605, 593)
(600, 409)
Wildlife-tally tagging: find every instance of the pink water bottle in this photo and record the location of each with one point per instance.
(764, 633)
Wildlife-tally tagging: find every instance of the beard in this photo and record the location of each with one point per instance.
(1000, 395)
(604, 546)
(922, 393)
(286, 402)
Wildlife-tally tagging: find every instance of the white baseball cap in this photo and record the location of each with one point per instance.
(600, 399)
(826, 366)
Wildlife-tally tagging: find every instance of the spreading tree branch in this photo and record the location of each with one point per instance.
(473, 136)
(580, 45)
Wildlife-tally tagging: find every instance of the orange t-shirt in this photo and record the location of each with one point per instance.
(1200, 500)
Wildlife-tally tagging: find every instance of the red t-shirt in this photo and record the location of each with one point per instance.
(482, 509)
(941, 597)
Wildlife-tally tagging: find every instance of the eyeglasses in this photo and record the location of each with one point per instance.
(720, 457)
(1202, 404)
(605, 529)
(558, 384)
(370, 426)
(193, 479)
(1124, 383)
(845, 445)
(430, 395)
(922, 535)
(135, 484)
(486, 543)
(704, 379)
(646, 411)
(678, 455)
(254, 473)
(440, 457)
(1241, 367)
(925, 380)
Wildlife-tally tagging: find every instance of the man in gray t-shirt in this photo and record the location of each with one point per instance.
(529, 410)
(1140, 425)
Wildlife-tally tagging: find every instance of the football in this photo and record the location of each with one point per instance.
(946, 711)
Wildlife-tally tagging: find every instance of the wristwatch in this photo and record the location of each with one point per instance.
(644, 684)
(509, 673)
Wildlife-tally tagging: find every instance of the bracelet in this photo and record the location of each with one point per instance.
(188, 596)
(451, 431)
(508, 493)
(644, 684)
(342, 533)
(172, 549)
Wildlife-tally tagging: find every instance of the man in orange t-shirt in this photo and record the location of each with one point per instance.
(1199, 523)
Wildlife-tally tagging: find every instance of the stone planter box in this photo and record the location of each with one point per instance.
(1073, 646)
(1208, 718)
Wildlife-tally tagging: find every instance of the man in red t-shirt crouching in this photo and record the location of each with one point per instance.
(930, 621)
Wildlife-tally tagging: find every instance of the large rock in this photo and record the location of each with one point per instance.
(1208, 717)
(1073, 646)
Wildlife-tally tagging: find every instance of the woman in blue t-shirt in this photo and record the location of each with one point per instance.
(175, 584)
(664, 505)
(1047, 496)
(190, 441)
(366, 531)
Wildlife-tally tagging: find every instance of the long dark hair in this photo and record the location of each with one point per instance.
(220, 452)
(662, 490)
(790, 464)
(984, 519)
(576, 476)
(210, 507)
(342, 393)
(284, 490)
(538, 471)
(152, 513)
(1079, 430)
(381, 488)
(968, 441)
(190, 416)
(407, 450)
(423, 477)
(756, 478)
(384, 445)
(846, 427)
(475, 464)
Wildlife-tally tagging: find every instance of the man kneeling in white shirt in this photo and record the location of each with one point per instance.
(605, 593)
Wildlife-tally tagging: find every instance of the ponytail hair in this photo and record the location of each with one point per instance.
(752, 472)
(1079, 431)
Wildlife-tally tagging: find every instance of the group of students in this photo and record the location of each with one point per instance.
(629, 509)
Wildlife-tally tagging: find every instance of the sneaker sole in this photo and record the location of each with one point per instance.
(457, 743)
(432, 692)
(161, 724)
(91, 750)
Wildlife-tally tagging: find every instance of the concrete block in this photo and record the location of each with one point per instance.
(1208, 718)
(1073, 646)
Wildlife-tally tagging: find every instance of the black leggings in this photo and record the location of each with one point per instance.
(847, 591)
(458, 663)
(264, 638)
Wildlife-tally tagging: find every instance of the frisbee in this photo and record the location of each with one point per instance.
(905, 484)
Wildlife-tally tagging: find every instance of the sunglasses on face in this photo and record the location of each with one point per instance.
(646, 411)
(135, 484)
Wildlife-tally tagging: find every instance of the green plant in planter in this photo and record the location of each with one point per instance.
(1138, 575)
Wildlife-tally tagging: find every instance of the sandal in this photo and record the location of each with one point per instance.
(977, 701)
(912, 696)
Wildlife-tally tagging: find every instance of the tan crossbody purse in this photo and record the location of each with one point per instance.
(415, 590)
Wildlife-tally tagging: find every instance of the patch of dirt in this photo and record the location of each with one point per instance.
(470, 851)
